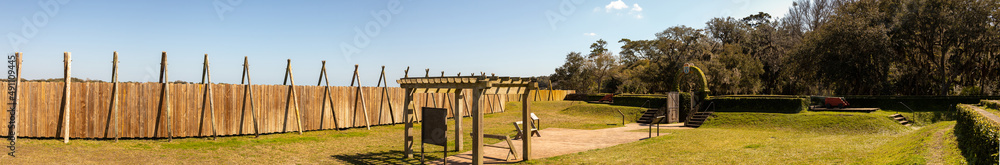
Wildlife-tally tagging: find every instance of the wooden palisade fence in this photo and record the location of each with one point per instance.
(108, 110)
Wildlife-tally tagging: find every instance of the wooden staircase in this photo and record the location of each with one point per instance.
(697, 119)
(648, 117)
(901, 119)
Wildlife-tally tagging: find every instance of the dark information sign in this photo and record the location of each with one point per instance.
(434, 126)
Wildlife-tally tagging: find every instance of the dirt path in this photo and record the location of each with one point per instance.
(936, 146)
(559, 141)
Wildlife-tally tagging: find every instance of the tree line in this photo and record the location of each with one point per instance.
(820, 47)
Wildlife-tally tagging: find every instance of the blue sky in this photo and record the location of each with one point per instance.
(509, 38)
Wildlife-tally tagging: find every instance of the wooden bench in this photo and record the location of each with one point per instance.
(535, 124)
(510, 145)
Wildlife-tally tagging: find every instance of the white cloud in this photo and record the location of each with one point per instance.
(619, 7)
(590, 34)
(616, 5)
(635, 7)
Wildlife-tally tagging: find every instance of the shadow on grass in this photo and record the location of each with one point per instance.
(390, 157)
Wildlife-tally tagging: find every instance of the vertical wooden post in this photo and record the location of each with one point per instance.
(292, 96)
(457, 108)
(388, 98)
(430, 96)
(166, 95)
(206, 79)
(248, 92)
(67, 60)
(360, 95)
(381, 99)
(465, 102)
(526, 117)
(499, 103)
(246, 95)
(477, 127)
(326, 90)
(114, 94)
(13, 105)
(550, 90)
(385, 97)
(407, 123)
(489, 102)
(326, 97)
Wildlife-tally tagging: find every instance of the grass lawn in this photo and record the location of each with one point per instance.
(381, 145)
(774, 138)
(728, 138)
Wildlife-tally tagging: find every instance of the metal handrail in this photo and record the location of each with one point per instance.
(623, 116)
(644, 104)
(695, 110)
(911, 111)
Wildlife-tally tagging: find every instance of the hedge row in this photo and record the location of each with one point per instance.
(917, 103)
(761, 104)
(992, 104)
(795, 104)
(977, 135)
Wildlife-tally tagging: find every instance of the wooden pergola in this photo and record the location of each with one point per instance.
(479, 85)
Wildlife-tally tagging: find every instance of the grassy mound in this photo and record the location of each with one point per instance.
(826, 123)
(605, 111)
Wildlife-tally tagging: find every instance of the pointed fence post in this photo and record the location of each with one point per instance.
(14, 90)
(67, 60)
(114, 94)
(165, 97)
(206, 80)
(12, 128)
(360, 95)
(293, 98)
(248, 92)
(385, 97)
(550, 90)
(327, 96)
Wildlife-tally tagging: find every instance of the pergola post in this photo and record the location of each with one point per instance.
(457, 109)
(407, 124)
(477, 127)
(526, 124)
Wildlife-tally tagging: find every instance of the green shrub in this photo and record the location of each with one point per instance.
(760, 104)
(977, 135)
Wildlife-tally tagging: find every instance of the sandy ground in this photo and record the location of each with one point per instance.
(559, 141)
